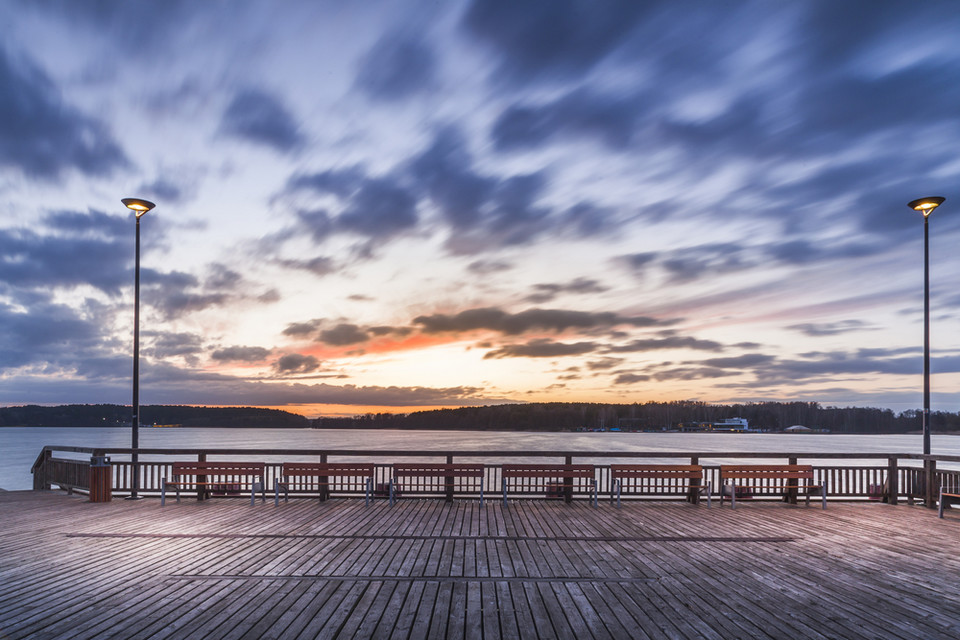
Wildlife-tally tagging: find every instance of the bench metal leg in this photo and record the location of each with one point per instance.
(369, 490)
(481, 492)
(709, 493)
(392, 480)
(823, 491)
(733, 496)
(594, 493)
(618, 494)
(163, 491)
(940, 504)
(253, 493)
(276, 492)
(504, 482)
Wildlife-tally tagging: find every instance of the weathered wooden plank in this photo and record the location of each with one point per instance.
(222, 569)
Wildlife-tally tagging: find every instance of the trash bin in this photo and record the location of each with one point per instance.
(101, 479)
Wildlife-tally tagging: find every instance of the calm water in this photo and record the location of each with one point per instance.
(21, 446)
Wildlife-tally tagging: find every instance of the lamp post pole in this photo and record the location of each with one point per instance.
(926, 207)
(139, 207)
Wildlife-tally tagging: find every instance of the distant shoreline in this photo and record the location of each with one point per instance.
(245, 427)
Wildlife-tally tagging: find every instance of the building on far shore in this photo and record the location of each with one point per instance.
(730, 424)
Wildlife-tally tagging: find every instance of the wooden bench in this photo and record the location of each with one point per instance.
(436, 478)
(786, 479)
(658, 479)
(215, 477)
(557, 480)
(322, 476)
(949, 496)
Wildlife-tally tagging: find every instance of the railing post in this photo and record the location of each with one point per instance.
(792, 484)
(568, 482)
(41, 474)
(693, 494)
(324, 481)
(930, 490)
(201, 457)
(448, 482)
(893, 488)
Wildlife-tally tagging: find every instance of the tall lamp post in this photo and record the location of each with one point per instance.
(139, 207)
(926, 207)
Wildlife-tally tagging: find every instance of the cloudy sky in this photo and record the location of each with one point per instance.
(388, 206)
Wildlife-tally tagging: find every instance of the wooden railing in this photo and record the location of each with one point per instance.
(890, 480)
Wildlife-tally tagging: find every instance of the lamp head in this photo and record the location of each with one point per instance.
(140, 206)
(926, 205)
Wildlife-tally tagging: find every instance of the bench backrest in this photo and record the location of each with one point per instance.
(438, 470)
(771, 471)
(218, 469)
(623, 471)
(327, 469)
(548, 471)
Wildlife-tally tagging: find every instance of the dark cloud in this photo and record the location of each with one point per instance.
(165, 344)
(545, 292)
(830, 328)
(445, 171)
(174, 304)
(631, 378)
(486, 267)
(638, 262)
(381, 208)
(297, 363)
(239, 353)
(41, 334)
(259, 117)
(551, 38)
(398, 332)
(297, 329)
(222, 277)
(609, 119)
(541, 348)
(746, 361)
(685, 265)
(374, 208)
(556, 320)
(320, 266)
(671, 342)
(343, 334)
(604, 363)
(397, 67)
(148, 24)
(90, 255)
(164, 190)
(42, 136)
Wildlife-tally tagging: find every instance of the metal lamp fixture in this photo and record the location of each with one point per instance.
(926, 207)
(139, 207)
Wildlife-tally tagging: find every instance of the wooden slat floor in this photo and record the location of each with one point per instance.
(428, 569)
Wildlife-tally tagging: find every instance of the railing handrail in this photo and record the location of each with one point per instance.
(487, 453)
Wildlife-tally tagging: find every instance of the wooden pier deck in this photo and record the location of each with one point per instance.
(429, 569)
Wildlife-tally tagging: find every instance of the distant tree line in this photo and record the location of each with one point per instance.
(561, 416)
(553, 416)
(113, 415)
